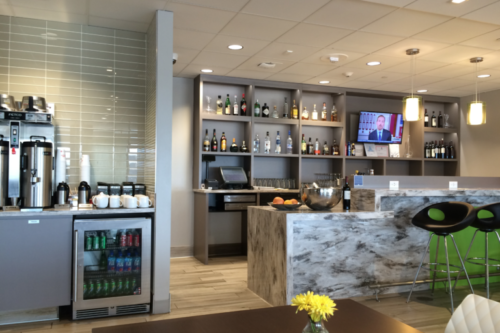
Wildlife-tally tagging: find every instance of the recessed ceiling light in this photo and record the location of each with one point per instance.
(289, 51)
(422, 90)
(324, 82)
(458, 1)
(482, 76)
(109, 70)
(207, 71)
(235, 47)
(373, 63)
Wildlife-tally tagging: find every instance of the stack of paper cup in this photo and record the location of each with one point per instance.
(85, 169)
(60, 166)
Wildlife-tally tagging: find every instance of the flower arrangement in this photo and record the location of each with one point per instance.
(318, 307)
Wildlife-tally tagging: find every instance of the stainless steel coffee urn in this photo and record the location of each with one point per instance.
(36, 172)
(4, 170)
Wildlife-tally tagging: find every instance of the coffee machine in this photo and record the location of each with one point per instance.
(29, 159)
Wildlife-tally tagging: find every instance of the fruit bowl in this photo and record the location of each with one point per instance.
(285, 207)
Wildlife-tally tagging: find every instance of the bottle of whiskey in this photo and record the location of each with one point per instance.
(244, 148)
(215, 143)
(310, 148)
(323, 113)
(234, 146)
(440, 120)
(346, 191)
(275, 113)
(236, 107)
(305, 114)
(295, 111)
(228, 106)
(335, 148)
(303, 145)
(285, 110)
(223, 143)
(265, 111)
(256, 109)
(325, 149)
(206, 142)
(426, 119)
(334, 115)
(277, 150)
(289, 143)
(219, 105)
(317, 151)
(314, 113)
(256, 144)
(243, 105)
(267, 144)
(433, 120)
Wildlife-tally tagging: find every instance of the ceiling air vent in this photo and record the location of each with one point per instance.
(267, 65)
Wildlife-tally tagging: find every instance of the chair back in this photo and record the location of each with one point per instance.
(487, 217)
(445, 217)
(476, 314)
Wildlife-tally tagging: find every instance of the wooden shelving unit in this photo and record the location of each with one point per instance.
(349, 102)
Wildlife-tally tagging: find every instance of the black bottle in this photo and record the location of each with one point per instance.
(426, 119)
(440, 120)
(433, 151)
(437, 150)
(265, 111)
(433, 120)
(443, 149)
(310, 148)
(346, 194)
(451, 149)
(427, 152)
(244, 148)
(214, 145)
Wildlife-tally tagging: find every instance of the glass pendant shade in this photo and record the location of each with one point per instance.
(412, 108)
(477, 113)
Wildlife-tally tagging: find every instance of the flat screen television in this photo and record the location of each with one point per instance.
(380, 127)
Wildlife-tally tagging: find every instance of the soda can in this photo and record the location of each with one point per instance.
(112, 287)
(84, 289)
(98, 288)
(95, 245)
(103, 241)
(123, 240)
(126, 289)
(129, 241)
(88, 242)
(105, 288)
(137, 240)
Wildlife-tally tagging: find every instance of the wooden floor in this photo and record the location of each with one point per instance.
(197, 289)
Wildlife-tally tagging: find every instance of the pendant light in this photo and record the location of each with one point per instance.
(412, 105)
(477, 111)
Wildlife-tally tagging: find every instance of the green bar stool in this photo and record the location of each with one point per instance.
(443, 219)
(487, 219)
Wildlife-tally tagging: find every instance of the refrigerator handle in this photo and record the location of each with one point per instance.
(75, 258)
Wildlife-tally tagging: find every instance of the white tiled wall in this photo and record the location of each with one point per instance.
(150, 136)
(97, 79)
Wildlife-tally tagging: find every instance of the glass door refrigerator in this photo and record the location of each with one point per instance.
(111, 267)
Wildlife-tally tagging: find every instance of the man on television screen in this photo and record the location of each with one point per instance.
(380, 134)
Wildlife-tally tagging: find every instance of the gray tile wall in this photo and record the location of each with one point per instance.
(97, 79)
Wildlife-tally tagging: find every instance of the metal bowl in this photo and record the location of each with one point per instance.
(7, 103)
(323, 198)
(285, 207)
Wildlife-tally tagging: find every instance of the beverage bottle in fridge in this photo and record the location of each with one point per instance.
(95, 243)
(119, 287)
(90, 290)
(120, 263)
(103, 261)
(130, 240)
(112, 287)
(102, 241)
(134, 286)
(85, 289)
(128, 263)
(123, 238)
(136, 263)
(137, 238)
(89, 240)
(98, 288)
(105, 288)
(126, 287)
(111, 262)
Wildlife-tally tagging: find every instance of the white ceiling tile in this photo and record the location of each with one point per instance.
(230, 5)
(193, 70)
(67, 6)
(289, 77)
(451, 71)
(386, 62)
(278, 51)
(456, 31)
(455, 53)
(365, 42)
(471, 75)
(450, 84)
(199, 18)
(249, 74)
(253, 64)
(419, 82)
(208, 59)
(488, 14)
(313, 35)
(396, 3)
(390, 87)
(446, 7)
(491, 41)
(58, 16)
(250, 46)
(307, 69)
(338, 74)
(422, 66)
(191, 39)
(257, 27)
(384, 77)
(399, 49)
(178, 68)
(117, 24)
(316, 58)
(125, 10)
(451, 93)
(403, 22)
(349, 14)
(295, 10)
(185, 56)
(359, 84)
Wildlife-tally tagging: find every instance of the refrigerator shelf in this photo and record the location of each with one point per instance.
(116, 248)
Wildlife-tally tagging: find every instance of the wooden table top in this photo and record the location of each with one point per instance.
(352, 317)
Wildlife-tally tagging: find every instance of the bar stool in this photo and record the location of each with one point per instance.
(487, 219)
(442, 220)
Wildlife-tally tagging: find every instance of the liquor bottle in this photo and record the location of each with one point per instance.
(314, 115)
(433, 120)
(323, 113)
(256, 109)
(443, 149)
(440, 120)
(295, 111)
(214, 143)
(234, 147)
(316, 148)
(236, 110)
(353, 149)
(278, 144)
(346, 191)
(335, 148)
(265, 111)
(219, 105)
(437, 149)
(223, 143)
(451, 149)
(433, 151)
(243, 105)
(256, 144)
(305, 114)
(326, 149)
(446, 151)
(227, 110)
(303, 145)
(206, 142)
(275, 113)
(348, 148)
(103, 261)
(289, 143)
(285, 110)
(427, 150)
(244, 148)
(334, 115)
(267, 144)
(426, 119)
(310, 148)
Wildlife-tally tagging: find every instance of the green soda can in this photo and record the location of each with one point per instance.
(126, 288)
(119, 287)
(112, 287)
(85, 290)
(103, 240)
(98, 288)
(95, 245)
(88, 242)
(105, 288)
(91, 292)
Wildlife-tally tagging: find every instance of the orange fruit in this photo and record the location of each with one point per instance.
(294, 202)
(288, 202)
(278, 201)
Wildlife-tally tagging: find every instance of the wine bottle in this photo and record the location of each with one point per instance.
(451, 154)
(285, 110)
(440, 120)
(243, 105)
(219, 105)
(228, 106)
(214, 144)
(346, 191)
(295, 111)
(303, 145)
(433, 151)
(426, 119)
(223, 143)
(326, 150)
(236, 107)
(427, 150)
(335, 148)
(443, 149)
(256, 109)
(310, 148)
(437, 149)
(206, 142)
(433, 119)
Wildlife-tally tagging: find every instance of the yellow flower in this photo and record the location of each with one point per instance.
(303, 302)
(318, 307)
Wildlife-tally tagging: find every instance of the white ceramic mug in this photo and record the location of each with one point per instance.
(129, 201)
(144, 201)
(100, 201)
(114, 201)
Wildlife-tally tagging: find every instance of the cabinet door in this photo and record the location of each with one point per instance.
(35, 262)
